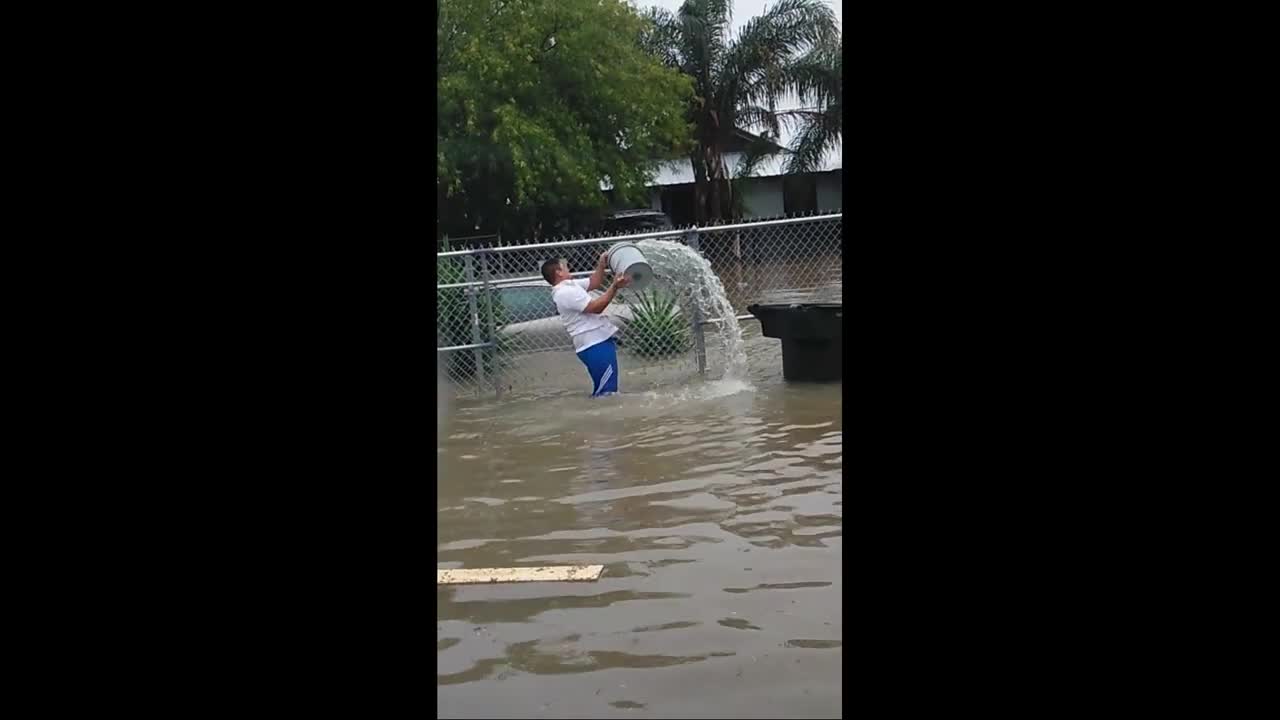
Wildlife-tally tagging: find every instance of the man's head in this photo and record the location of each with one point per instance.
(555, 271)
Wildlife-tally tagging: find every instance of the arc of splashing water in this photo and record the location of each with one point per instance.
(709, 294)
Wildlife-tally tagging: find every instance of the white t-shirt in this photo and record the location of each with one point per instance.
(585, 329)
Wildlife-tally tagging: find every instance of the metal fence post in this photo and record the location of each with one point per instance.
(491, 328)
(469, 264)
(692, 239)
(699, 322)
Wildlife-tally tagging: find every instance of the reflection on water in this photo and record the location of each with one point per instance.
(716, 508)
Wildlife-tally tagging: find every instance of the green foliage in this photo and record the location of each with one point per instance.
(451, 311)
(818, 76)
(540, 101)
(738, 81)
(657, 328)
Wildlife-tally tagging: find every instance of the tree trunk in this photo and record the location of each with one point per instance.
(721, 195)
(699, 187)
(715, 171)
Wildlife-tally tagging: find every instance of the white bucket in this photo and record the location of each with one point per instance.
(625, 259)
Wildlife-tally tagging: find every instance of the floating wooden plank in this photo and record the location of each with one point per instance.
(554, 573)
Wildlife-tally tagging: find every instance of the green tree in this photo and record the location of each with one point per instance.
(737, 81)
(818, 75)
(538, 102)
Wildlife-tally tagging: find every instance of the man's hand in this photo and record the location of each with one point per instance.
(597, 276)
(599, 304)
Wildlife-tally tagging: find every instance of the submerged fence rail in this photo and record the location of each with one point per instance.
(497, 329)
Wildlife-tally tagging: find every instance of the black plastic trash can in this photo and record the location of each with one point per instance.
(812, 336)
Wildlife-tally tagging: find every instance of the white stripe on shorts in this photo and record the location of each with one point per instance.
(608, 373)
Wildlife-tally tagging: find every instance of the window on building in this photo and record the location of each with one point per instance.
(799, 194)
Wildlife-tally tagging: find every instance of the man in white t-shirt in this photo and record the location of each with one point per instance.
(583, 317)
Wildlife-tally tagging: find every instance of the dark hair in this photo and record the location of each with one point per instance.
(549, 270)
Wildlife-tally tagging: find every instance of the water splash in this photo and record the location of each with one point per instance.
(714, 390)
(691, 275)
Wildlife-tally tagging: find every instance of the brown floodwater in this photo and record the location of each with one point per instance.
(715, 507)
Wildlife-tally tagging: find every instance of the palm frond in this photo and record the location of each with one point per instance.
(660, 37)
(754, 117)
(817, 76)
(811, 144)
(738, 80)
(758, 62)
(703, 26)
(817, 79)
(755, 153)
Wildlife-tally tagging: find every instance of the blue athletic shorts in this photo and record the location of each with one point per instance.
(601, 360)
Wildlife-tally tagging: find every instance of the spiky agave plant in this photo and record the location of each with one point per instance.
(657, 328)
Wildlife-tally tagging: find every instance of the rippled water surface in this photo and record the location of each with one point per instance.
(716, 509)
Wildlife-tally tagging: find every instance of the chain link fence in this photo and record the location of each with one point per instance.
(498, 332)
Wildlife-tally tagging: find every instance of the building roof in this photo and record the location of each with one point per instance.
(740, 139)
(680, 171)
(633, 213)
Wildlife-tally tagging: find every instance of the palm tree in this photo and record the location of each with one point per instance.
(737, 81)
(817, 76)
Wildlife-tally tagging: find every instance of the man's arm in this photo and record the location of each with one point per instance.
(597, 277)
(598, 305)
